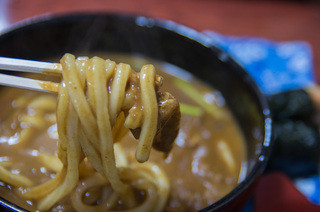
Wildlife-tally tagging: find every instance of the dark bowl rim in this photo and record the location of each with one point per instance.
(201, 39)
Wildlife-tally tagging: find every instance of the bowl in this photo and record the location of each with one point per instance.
(84, 33)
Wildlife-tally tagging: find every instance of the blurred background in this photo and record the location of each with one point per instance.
(279, 20)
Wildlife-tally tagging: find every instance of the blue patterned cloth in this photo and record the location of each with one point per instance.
(275, 66)
(310, 187)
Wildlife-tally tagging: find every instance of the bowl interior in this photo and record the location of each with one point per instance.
(83, 34)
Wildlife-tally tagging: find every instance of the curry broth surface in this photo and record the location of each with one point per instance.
(196, 167)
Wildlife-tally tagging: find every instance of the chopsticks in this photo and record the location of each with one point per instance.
(30, 66)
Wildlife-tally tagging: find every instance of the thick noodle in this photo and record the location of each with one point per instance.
(98, 101)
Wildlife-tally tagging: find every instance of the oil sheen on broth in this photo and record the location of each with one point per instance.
(206, 162)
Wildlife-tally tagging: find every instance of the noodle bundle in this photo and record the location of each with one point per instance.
(99, 102)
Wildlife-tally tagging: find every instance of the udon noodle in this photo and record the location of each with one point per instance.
(98, 102)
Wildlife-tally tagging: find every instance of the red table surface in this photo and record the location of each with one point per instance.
(276, 20)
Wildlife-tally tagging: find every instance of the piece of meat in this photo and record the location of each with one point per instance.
(168, 122)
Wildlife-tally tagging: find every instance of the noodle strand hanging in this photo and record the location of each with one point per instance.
(98, 102)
